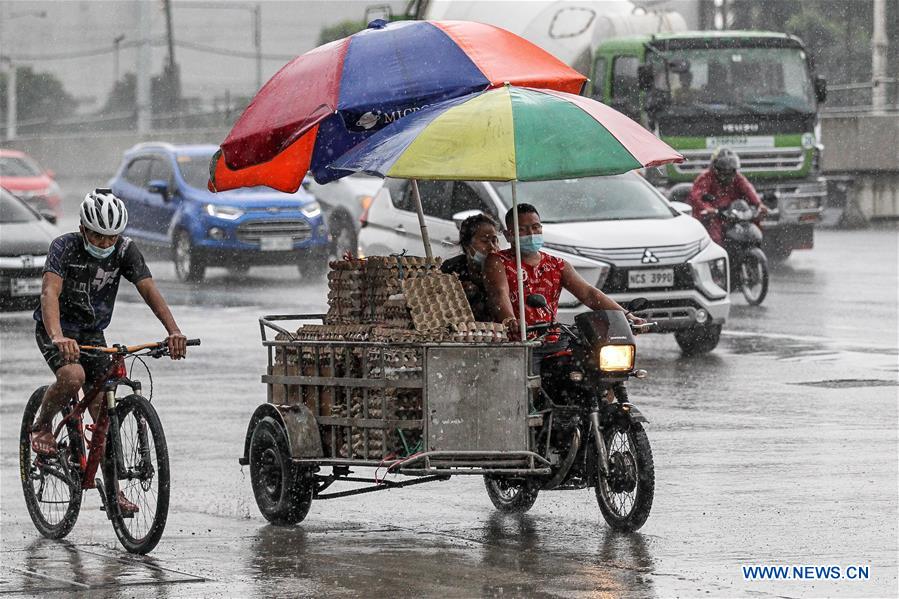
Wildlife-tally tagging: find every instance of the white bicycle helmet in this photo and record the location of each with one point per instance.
(103, 213)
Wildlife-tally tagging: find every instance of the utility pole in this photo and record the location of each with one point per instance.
(257, 43)
(115, 69)
(11, 100)
(879, 45)
(171, 97)
(143, 67)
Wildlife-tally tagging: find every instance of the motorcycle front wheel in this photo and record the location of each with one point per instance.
(754, 276)
(625, 495)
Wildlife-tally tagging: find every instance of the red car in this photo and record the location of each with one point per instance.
(25, 178)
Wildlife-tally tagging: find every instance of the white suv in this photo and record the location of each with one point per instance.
(618, 232)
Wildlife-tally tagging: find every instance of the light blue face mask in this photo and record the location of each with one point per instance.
(530, 244)
(96, 252)
(478, 258)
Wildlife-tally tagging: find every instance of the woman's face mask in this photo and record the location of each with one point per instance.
(530, 244)
(478, 257)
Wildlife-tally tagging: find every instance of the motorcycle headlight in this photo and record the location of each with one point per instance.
(311, 210)
(225, 212)
(616, 358)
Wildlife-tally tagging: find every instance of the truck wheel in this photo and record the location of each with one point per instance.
(282, 489)
(698, 340)
(511, 496)
(189, 267)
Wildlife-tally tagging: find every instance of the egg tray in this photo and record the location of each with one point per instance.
(436, 301)
(376, 442)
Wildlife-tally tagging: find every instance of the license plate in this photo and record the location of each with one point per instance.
(20, 287)
(657, 277)
(740, 141)
(275, 244)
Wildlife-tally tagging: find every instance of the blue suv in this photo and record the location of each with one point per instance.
(170, 208)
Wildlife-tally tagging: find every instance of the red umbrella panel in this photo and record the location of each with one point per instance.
(328, 100)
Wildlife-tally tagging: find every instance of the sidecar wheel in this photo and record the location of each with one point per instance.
(283, 490)
(625, 497)
(511, 496)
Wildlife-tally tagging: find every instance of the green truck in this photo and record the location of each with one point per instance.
(755, 92)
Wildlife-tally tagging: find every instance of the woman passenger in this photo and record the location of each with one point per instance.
(479, 237)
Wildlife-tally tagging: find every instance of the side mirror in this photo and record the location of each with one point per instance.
(821, 89)
(682, 207)
(645, 77)
(461, 216)
(159, 186)
(48, 216)
(535, 300)
(636, 305)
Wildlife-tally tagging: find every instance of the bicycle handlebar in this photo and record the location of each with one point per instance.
(131, 349)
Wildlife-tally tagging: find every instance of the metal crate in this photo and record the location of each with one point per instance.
(417, 408)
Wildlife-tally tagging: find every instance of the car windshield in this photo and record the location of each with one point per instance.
(14, 211)
(754, 80)
(15, 166)
(195, 169)
(621, 197)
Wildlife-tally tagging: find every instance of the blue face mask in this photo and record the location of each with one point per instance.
(478, 258)
(530, 244)
(98, 253)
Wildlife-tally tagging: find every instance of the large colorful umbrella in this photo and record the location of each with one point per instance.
(328, 100)
(509, 134)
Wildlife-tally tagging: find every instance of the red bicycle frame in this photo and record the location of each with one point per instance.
(90, 462)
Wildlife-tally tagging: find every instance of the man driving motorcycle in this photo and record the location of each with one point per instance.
(719, 185)
(543, 274)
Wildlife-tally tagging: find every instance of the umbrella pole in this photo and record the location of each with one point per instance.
(522, 326)
(421, 219)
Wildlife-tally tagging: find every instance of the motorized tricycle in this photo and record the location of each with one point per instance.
(527, 416)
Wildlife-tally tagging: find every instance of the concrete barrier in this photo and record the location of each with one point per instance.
(98, 155)
(865, 147)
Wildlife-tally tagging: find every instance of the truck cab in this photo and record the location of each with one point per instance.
(754, 92)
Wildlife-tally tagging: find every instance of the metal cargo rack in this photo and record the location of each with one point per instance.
(424, 409)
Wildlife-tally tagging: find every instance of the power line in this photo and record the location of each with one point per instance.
(136, 43)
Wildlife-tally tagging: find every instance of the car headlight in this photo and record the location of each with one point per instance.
(604, 270)
(616, 358)
(311, 210)
(718, 270)
(225, 212)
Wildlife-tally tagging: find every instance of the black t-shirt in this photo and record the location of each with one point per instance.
(89, 285)
(474, 288)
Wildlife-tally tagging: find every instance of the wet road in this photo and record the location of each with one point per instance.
(778, 448)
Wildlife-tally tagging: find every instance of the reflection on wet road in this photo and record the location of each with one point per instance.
(778, 448)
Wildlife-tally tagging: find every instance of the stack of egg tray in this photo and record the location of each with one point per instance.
(436, 302)
(377, 443)
(345, 292)
(359, 290)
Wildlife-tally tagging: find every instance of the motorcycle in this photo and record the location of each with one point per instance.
(591, 434)
(743, 241)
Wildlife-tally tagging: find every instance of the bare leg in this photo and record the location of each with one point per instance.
(69, 379)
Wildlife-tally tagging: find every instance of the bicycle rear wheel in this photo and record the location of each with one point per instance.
(51, 485)
(145, 478)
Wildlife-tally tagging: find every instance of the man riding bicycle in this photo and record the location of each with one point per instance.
(80, 282)
(716, 187)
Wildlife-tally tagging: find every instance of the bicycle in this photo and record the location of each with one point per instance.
(126, 443)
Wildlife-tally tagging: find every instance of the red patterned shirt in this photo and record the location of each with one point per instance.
(545, 279)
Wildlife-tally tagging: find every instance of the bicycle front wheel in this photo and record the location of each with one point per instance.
(137, 466)
(51, 485)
